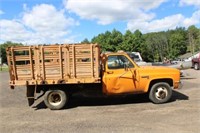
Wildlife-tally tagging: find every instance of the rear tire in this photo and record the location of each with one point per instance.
(196, 66)
(160, 93)
(55, 99)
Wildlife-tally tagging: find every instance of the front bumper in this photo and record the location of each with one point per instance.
(178, 85)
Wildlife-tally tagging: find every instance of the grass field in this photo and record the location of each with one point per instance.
(3, 69)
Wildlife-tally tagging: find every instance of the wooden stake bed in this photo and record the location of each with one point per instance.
(54, 64)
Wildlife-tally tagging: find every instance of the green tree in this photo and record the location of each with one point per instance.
(177, 42)
(168, 44)
(109, 41)
(86, 41)
(103, 41)
(3, 49)
(116, 39)
(156, 45)
(147, 50)
(193, 39)
(133, 42)
(128, 39)
(138, 41)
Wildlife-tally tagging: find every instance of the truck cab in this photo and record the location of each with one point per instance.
(121, 75)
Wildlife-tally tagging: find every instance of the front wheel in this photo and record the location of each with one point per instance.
(196, 66)
(160, 93)
(55, 99)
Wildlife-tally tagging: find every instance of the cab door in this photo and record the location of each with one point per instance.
(119, 75)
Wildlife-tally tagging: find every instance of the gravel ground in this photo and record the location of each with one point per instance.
(108, 115)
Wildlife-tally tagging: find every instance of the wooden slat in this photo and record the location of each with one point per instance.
(31, 63)
(92, 59)
(65, 62)
(37, 62)
(97, 54)
(22, 58)
(61, 65)
(43, 64)
(8, 53)
(68, 63)
(14, 63)
(22, 48)
(74, 61)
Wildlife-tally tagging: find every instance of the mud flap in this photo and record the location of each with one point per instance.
(30, 93)
(31, 101)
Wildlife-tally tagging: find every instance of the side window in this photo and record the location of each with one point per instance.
(118, 62)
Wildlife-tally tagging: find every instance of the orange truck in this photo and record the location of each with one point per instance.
(59, 71)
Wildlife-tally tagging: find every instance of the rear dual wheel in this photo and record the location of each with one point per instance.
(55, 99)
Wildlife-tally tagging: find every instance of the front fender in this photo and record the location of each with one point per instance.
(156, 80)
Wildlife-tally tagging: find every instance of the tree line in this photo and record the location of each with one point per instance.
(154, 46)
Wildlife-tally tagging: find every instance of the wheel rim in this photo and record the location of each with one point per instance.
(161, 93)
(196, 66)
(54, 98)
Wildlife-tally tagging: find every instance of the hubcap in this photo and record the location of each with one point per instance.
(196, 66)
(161, 93)
(54, 98)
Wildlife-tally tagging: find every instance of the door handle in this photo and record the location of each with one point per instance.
(110, 72)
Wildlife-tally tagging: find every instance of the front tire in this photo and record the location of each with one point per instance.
(196, 66)
(160, 93)
(55, 99)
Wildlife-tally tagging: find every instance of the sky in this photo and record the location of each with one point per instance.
(71, 21)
